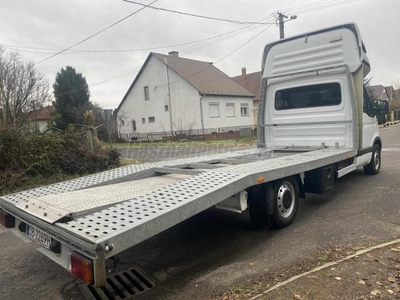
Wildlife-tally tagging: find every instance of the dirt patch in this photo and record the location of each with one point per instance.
(372, 275)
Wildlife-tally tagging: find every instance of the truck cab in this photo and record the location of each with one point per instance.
(313, 94)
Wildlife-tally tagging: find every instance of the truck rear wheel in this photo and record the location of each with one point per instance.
(374, 165)
(285, 202)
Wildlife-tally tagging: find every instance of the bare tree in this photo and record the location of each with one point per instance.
(22, 88)
(183, 125)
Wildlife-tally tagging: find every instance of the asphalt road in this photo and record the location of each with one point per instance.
(187, 149)
(217, 249)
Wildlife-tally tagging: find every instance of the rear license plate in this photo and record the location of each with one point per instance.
(38, 236)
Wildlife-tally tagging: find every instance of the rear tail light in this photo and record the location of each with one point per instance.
(81, 267)
(7, 220)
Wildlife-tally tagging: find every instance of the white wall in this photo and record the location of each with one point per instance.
(184, 101)
(41, 125)
(223, 120)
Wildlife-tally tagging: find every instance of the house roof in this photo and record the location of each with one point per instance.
(203, 76)
(251, 83)
(396, 94)
(389, 91)
(42, 114)
(379, 92)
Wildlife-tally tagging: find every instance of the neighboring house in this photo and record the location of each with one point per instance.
(388, 93)
(41, 118)
(251, 82)
(381, 92)
(171, 93)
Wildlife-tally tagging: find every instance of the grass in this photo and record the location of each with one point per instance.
(128, 161)
(234, 142)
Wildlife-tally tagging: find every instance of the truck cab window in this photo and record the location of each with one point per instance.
(367, 105)
(317, 95)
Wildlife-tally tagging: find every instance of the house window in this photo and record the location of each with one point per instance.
(146, 93)
(134, 125)
(230, 110)
(123, 122)
(152, 119)
(166, 107)
(244, 109)
(213, 109)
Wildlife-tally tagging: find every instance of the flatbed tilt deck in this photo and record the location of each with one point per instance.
(316, 123)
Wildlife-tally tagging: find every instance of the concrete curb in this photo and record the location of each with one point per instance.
(387, 124)
(327, 265)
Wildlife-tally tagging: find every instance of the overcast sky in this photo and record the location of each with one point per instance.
(44, 26)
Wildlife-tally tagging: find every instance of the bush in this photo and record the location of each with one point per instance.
(25, 155)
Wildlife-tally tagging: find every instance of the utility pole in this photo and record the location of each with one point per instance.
(281, 21)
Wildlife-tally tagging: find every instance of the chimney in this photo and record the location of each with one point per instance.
(244, 75)
(173, 53)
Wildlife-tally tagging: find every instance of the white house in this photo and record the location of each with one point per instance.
(171, 93)
(41, 119)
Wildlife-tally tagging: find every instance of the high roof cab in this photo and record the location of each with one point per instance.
(339, 45)
(312, 92)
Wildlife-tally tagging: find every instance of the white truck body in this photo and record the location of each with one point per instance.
(302, 147)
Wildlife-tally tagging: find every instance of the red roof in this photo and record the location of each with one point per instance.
(251, 83)
(42, 114)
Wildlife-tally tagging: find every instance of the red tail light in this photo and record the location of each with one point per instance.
(7, 220)
(81, 268)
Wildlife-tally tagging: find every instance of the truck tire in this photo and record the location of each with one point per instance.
(285, 202)
(374, 165)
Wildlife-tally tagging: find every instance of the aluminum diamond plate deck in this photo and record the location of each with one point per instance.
(130, 222)
(52, 208)
(130, 172)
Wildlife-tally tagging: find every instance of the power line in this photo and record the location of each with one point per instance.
(77, 51)
(226, 56)
(222, 37)
(203, 42)
(317, 6)
(194, 15)
(294, 8)
(231, 33)
(243, 44)
(93, 35)
(329, 5)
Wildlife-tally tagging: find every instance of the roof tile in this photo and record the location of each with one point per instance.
(251, 83)
(204, 76)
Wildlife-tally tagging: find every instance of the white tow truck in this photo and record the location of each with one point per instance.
(316, 123)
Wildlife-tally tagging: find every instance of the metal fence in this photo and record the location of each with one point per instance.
(207, 134)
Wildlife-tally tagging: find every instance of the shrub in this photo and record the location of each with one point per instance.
(25, 155)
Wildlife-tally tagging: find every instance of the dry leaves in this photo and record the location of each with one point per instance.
(375, 292)
(391, 279)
